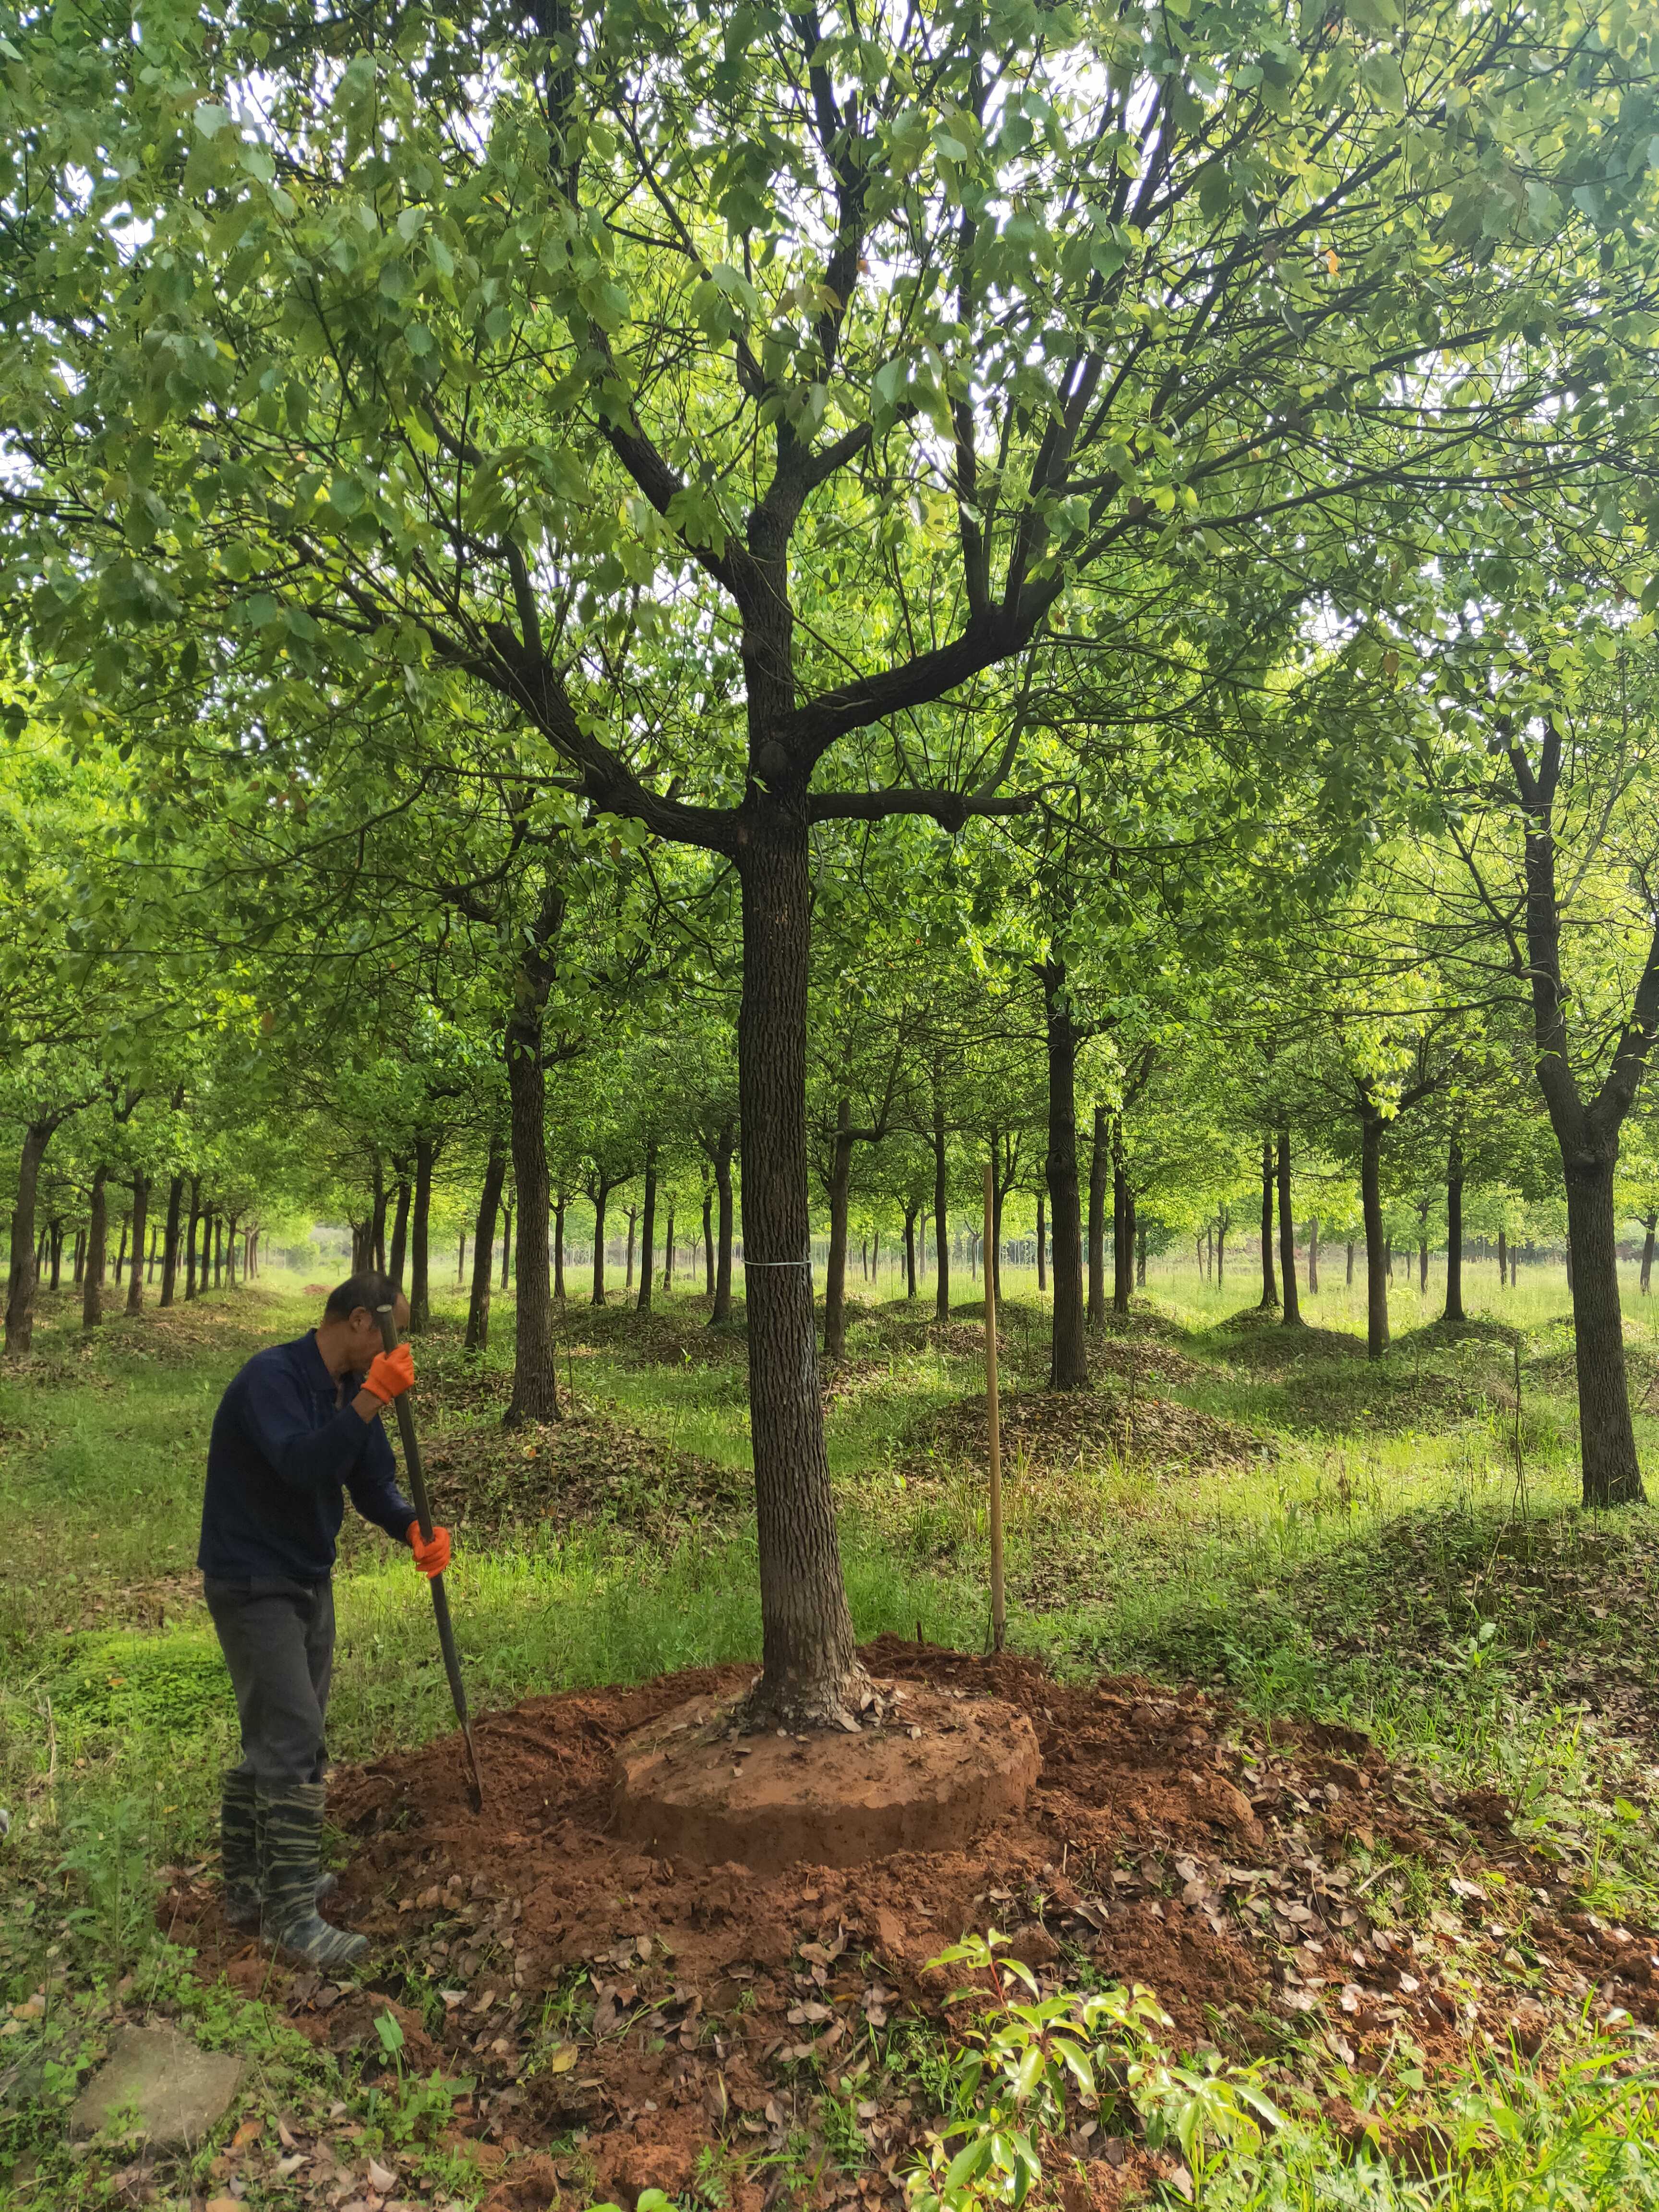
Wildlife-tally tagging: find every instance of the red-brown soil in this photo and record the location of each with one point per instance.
(622, 2012)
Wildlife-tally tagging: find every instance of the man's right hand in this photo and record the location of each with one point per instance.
(390, 1374)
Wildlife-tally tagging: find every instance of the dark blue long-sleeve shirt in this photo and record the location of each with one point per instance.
(286, 1446)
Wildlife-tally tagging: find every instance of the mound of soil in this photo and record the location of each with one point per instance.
(656, 2008)
(1056, 1428)
(677, 1336)
(591, 1468)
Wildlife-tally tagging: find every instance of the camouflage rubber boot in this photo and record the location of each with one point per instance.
(291, 1836)
(239, 1849)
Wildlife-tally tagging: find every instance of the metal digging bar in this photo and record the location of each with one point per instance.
(440, 1598)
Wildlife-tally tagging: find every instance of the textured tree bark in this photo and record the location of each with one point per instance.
(420, 1223)
(726, 1212)
(1453, 1232)
(170, 1241)
(92, 1284)
(1291, 1317)
(397, 1257)
(1376, 1250)
(1069, 1363)
(1100, 1163)
(1269, 1283)
(810, 1673)
(647, 1228)
(19, 1287)
(941, 1219)
(834, 1272)
(1650, 1224)
(484, 1246)
(140, 1228)
(535, 1376)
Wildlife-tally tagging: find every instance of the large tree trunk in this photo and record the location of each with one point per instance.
(1269, 1283)
(1069, 1365)
(92, 1288)
(170, 1240)
(140, 1229)
(419, 1223)
(1607, 1439)
(19, 1287)
(1100, 1163)
(809, 1670)
(1291, 1316)
(726, 1212)
(535, 1377)
(1650, 1224)
(1453, 1232)
(1376, 1248)
(834, 1273)
(941, 1222)
(397, 1258)
(647, 1228)
(484, 1246)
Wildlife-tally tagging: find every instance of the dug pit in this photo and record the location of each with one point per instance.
(935, 1771)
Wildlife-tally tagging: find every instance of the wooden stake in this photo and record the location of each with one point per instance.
(999, 1611)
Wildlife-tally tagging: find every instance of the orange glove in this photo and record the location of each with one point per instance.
(390, 1374)
(431, 1558)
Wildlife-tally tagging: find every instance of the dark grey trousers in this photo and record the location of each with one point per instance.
(278, 1641)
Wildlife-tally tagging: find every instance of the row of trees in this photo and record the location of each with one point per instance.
(501, 511)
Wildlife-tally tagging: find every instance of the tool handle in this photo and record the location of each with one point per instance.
(406, 1431)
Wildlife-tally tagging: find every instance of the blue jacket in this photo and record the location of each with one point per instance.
(284, 1448)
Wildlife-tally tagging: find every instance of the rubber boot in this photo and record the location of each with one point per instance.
(291, 1841)
(239, 1849)
(241, 1852)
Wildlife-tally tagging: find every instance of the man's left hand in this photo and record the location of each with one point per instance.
(431, 1558)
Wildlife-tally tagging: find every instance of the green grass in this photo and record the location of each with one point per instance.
(1393, 1564)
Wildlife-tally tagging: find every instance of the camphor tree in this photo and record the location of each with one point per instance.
(561, 352)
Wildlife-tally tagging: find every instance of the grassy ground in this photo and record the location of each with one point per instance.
(1398, 1549)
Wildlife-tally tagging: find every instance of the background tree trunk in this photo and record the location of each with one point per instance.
(397, 1258)
(560, 1199)
(1607, 1438)
(1123, 1247)
(647, 1227)
(506, 1243)
(19, 1287)
(535, 1378)
(726, 1211)
(633, 1224)
(708, 1243)
(941, 1221)
(1650, 1224)
(1313, 1255)
(834, 1273)
(420, 1291)
(1376, 1250)
(1100, 1162)
(1042, 1248)
(191, 1228)
(1069, 1363)
(484, 1246)
(909, 1251)
(140, 1228)
(1269, 1285)
(1291, 1316)
(170, 1241)
(600, 1195)
(1453, 1232)
(92, 1288)
(809, 1667)
(668, 1247)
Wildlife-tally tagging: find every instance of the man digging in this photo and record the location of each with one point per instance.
(298, 1427)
